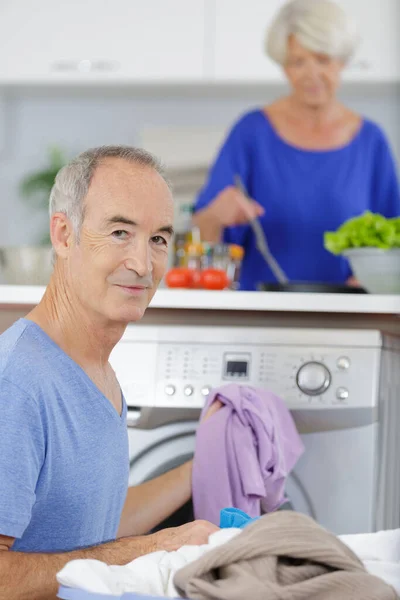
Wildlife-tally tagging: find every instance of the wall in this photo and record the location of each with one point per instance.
(75, 120)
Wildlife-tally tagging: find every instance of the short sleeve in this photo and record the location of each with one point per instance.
(385, 185)
(22, 452)
(233, 158)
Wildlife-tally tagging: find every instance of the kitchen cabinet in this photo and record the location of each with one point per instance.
(378, 55)
(240, 29)
(55, 41)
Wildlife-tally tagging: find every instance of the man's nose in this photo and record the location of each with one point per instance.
(139, 259)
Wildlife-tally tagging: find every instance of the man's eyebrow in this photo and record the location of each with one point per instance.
(121, 219)
(167, 229)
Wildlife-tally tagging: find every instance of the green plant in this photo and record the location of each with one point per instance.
(35, 187)
(369, 230)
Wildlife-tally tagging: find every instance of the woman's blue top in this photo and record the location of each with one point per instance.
(304, 193)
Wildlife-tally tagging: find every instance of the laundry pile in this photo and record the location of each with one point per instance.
(282, 555)
(152, 574)
(249, 447)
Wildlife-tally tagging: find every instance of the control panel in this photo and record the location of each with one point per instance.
(179, 366)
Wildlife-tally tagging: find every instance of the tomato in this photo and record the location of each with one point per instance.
(179, 277)
(196, 279)
(214, 279)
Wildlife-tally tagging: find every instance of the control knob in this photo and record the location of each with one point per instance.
(313, 378)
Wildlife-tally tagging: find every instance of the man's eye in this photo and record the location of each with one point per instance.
(120, 234)
(159, 240)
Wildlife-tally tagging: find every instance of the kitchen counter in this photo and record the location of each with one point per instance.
(28, 296)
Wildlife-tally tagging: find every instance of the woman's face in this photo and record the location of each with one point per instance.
(314, 77)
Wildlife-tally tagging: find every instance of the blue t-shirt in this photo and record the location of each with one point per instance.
(64, 458)
(304, 193)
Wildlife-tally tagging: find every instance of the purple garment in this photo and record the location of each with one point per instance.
(244, 452)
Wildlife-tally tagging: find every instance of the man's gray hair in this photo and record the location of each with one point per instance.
(72, 181)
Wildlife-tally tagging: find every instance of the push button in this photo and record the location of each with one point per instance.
(342, 393)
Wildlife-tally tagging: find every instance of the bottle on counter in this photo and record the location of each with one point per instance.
(236, 254)
(207, 256)
(180, 242)
(194, 253)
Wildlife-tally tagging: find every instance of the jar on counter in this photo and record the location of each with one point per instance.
(236, 254)
(180, 242)
(221, 257)
(194, 253)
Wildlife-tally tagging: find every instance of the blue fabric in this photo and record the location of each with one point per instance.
(304, 193)
(73, 594)
(64, 459)
(234, 517)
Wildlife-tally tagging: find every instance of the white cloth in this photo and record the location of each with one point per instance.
(151, 574)
(379, 552)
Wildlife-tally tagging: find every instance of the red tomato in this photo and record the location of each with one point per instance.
(179, 277)
(214, 279)
(196, 279)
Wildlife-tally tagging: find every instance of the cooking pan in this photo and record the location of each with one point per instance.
(310, 288)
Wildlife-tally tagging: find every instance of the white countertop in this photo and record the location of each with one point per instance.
(15, 295)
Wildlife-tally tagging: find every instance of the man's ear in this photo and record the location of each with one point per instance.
(61, 234)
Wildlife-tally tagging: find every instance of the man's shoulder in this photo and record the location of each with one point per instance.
(21, 355)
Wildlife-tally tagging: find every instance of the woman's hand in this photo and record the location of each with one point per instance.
(230, 207)
(353, 282)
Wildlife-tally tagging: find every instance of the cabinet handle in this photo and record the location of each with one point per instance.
(361, 64)
(85, 66)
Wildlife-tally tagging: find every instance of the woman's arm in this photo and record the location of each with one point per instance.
(221, 211)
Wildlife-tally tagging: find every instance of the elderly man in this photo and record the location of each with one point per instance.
(63, 439)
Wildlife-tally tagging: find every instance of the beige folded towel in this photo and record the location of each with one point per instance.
(282, 556)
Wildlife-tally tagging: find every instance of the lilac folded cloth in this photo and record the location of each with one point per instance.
(244, 452)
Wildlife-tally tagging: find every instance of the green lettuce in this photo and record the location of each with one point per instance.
(369, 230)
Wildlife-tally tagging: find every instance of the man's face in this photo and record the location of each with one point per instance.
(122, 253)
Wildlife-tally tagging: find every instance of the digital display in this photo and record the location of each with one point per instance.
(236, 365)
(236, 368)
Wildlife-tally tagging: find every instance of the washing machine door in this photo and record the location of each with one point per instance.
(297, 497)
(155, 452)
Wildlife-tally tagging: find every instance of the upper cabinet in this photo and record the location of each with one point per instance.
(240, 30)
(378, 55)
(102, 40)
(167, 41)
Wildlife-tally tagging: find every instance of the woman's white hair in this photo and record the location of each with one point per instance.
(72, 181)
(319, 25)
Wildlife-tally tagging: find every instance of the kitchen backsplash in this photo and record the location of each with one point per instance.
(184, 131)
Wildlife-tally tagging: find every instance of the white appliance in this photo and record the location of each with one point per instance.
(342, 387)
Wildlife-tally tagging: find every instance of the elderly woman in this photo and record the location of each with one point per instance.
(307, 161)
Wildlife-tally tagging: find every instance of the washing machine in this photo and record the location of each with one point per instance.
(341, 386)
